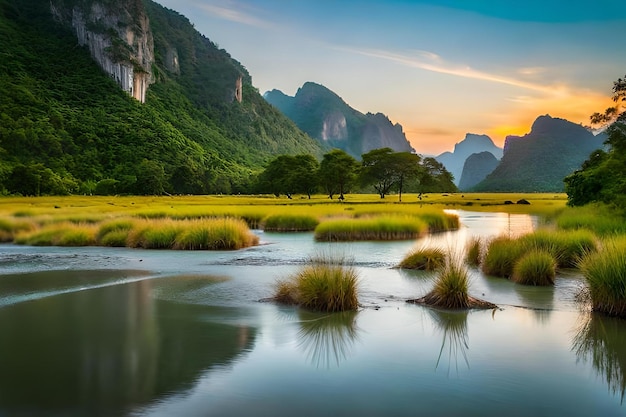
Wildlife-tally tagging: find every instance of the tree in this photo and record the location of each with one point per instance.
(377, 169)
(337, 172)
(406, 167)
(435, 178)
(602, 178)
(304, 176)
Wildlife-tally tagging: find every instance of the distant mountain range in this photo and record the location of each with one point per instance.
(539, 160)
(325, 116)
(472, 143)
(476, 168)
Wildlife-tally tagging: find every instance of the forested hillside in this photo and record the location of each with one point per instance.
(66, 126)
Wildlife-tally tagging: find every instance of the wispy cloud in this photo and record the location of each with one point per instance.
(234, 13)
(430, 61)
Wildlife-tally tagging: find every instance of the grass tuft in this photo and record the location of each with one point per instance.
(537, 267)
(321, 286)
(427, 259)
(473, 251)
(605, 272)
(382, 228)
(501, 256)
(290, 223)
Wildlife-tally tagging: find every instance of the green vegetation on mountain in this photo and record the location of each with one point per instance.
(324, 115)
(538, 161)
(602, 177)
(66, 127)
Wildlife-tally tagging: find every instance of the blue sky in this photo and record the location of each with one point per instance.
(440, 68)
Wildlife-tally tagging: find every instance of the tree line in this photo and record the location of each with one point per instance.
(380, 170)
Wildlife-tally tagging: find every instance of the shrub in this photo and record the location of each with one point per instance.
(427, 259)
(605, 272)
(537, 267)
(290, 223)
(322, 286)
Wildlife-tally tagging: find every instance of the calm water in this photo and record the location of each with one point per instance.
(102, 331)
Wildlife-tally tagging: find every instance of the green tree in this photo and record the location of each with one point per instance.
(602, 178)
(406, 167)
(150, 178)
(435, 178)
(378, 170)
(337, 173)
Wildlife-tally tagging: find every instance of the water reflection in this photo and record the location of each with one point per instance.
(455, 340)
(327, 339)
(539, 299)
(106, 350)
(602, 341)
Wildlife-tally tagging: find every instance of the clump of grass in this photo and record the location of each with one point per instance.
(598, 218)
(59, 234)
(114, 232)
(424, 258)
(373, 228)
(605, 272)
(290, 223)
(451, 289)
(566, 246)
(501, 256)
(321, 286)
(10, 227)
(440, 221)
(215, 234)
(537, 267)
(473, 251)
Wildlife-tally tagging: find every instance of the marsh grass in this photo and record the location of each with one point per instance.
(566, 246)
(501, 255)
(605, 273)
(537, 267)
(451, 289)
(59, 234)
(321, 286)
(215, 234)
(598, 218)
(9, 227)
(474, 251)
(290, 223)
(424, 258)
(382, 228)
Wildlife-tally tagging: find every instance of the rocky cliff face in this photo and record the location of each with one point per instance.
(472, 143)
(119, 38)
(326, 117)
(476, 168)
(539, 160)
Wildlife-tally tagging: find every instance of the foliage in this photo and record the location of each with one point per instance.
(537, 267)
(337, 173)
(324, 285)
(289, 175)
(66, 127)
(501, 255)
(599, 218)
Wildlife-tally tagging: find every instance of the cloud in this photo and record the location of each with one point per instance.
(430, 61)
(234, 13)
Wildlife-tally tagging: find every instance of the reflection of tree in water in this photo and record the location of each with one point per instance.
(602, 340)
(327, 339)
(453, 324)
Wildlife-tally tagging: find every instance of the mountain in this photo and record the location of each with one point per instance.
(125, 96)
(472, 143)
(539, 160)
(476, 168)
(324, 115)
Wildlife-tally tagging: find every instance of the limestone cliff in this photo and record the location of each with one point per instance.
(324, 115)
(118, 35)
(472, 143)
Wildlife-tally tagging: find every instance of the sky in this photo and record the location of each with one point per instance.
(440, 68)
